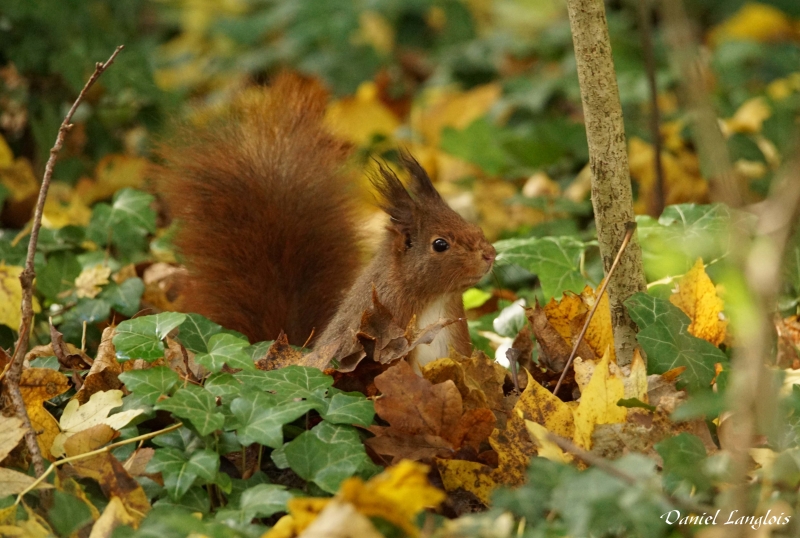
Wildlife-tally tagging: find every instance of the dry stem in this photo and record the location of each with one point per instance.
(26, 278)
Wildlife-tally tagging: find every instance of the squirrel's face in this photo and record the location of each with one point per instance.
(435, 250)
(447, 251)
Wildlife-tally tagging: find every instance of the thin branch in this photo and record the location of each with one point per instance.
(97, 452)
(628, 234)
(711, 144)
(28, 274)
(606, 466)
(645, 12)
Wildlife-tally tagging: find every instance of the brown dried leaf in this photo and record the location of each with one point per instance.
(11, 431)
(554, 348)
(478, 378)
(105, 370)
(104, 468)
(38, 385)
(68, 355)
(428, 417)
(279, 355)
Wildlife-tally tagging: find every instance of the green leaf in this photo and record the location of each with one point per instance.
(262, 500)
(127, 221)
(634, 402)
(223, 385)
(261, 417)
(664, 336)
(326, 455)
(68, 513)
(290, 382)
(475, 298)
(180, 472)
(195, 332)
(125, 297)
(479, 143)
(225, 349)
(195, 405)
(350, 409)
(555, 260)
(58, 275)
(141, 338)
(194, 500)
(683, 455)
(89, 310)
(151, 383)
(46, 362)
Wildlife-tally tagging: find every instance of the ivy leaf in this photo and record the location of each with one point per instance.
(326, 455)
(664, 336)
(180, 472)
(225, 349)
(58, 275)
(682, 455)
(261, 417)
(555, 260)
(125, 297)
(223, 385)
(127, 221)
(290, 382)
(479, 144)
(195, 405)
(151, 383)
(195, 332)
(141, 338)
(350, 409)
(262, 500)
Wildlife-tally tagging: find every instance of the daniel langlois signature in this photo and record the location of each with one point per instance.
(675, 517)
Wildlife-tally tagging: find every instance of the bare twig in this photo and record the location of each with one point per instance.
(26, 278)
(645, 12)
(97, 452)
(711, 145)
(625, 241)
(750, 393)
(606, 466)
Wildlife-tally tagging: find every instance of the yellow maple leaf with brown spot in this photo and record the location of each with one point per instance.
(697, 297)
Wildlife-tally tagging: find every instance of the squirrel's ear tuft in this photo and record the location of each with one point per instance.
(421, 184)
(393, 198)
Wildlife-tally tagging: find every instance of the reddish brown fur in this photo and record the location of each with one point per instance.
(268, 218)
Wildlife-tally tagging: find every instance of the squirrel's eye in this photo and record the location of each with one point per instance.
(440, 245)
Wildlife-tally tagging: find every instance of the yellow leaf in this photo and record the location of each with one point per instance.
(636, 381)
(77, 418)
(470, 476)
(450, 108)
(513, 444)
(14, 482)
(113, 516)
(697, 298)
(11, 431)
(396, 495)
(358, 119)
(38, 385)
(375, 30)
(598, 403)
(6, 156)
(19, 179)
(754, 22)
(749, 118)
(56, 215)
(89, 283)
(546, 448)
(11, 296)
(599, 334)
(112, 173)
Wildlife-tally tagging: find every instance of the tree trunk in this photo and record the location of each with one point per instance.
(608, 159)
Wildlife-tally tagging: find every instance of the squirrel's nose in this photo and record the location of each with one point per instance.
(489, 254)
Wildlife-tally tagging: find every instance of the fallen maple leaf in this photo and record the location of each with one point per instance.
(697, 297)
(598, 404)
(478, 378)
(426, 420)
(77, 418)
(38, 385)
(396, 495)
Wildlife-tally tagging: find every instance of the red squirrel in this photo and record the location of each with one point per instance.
(269, 228)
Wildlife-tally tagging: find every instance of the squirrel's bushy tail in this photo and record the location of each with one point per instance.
(267, 213)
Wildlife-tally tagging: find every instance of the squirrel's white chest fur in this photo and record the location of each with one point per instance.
(424, 354)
